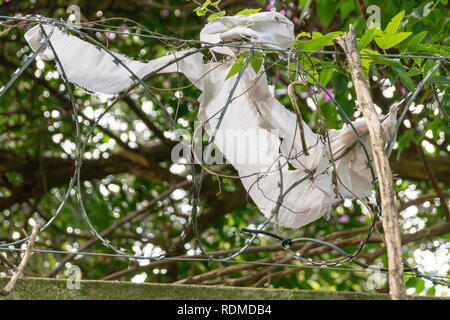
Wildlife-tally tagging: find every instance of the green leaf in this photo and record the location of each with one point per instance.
(427, 66)
(339, 82)
(330, 113)
(388, 40)
(325, 76)
(257, 61)
(206, 4)
(390, 37)
(200, 11)
(406, 79)
(420, 285)
(216, 15)
(414, 72)
(367, 37)
(431, 291)
(411, 282)
(386, 61)
(441, 79)
(418, 61)
(326, 9)
(303, 34)
(393, 75)
(414, 43)
(393, 25)
(367, 60)
(247, 11)
(318, 41)
(345, 8)
(237, 66)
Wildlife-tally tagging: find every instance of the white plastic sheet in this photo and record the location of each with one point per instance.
(253, 113)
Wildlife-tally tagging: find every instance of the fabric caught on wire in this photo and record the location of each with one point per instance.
(272, 138)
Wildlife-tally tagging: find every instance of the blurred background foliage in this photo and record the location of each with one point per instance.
(127, 163)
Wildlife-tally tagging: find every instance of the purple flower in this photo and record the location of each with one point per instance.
(269, 7)
(110, 35)
(362, 219)
(326, 96)
(283, 12)
(344, 219)
(164, 13)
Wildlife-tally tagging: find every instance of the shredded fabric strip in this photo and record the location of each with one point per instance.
(254, 112)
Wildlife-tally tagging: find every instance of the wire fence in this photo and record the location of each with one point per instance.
(197, 177)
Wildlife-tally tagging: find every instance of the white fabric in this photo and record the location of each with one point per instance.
(254, 109)
(267, 29)
(94, 69)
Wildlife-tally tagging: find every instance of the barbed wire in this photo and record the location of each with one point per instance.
(197, 183)
(158, 36)
(369, 269)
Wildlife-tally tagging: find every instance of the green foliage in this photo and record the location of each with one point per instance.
(256, 61)
(247, 11)
(318, 41)
(237, 66)
(209, 6)
(326, 9)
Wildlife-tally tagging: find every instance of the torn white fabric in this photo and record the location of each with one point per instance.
(253, 114)
(269, 30)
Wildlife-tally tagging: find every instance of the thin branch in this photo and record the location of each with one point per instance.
(439, 102)
(384, 173)
(13, 267)
(291, 93)
(363, 8)
(7, 290)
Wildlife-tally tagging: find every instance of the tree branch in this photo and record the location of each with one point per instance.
(381, 164)
(10, 285)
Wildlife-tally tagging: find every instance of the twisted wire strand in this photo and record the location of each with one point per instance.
(157, 36)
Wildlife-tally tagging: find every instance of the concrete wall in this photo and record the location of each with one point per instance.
(37, 288)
